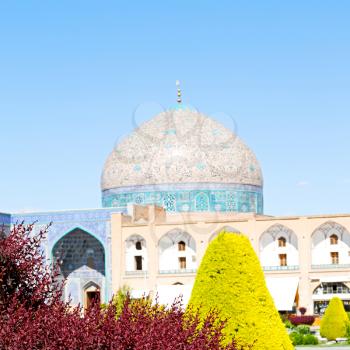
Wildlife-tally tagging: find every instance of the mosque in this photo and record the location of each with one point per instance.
(167, 190)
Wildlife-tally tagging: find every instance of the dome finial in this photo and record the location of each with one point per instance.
(179, 99)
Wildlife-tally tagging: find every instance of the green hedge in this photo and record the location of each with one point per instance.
(335, 321)
(230, 280)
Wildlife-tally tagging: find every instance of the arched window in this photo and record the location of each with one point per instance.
(181, 246)
(282, 242)
(177, 251)
(334, 239)
(135, 254)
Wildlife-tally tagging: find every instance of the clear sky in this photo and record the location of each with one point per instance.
(73, 72)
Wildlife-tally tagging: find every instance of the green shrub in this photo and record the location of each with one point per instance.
(302, 336)
(288, 324)
(231, 281)
(335, 321)
(348, 313)
(310, 339)
(302, 329)
(296, 338)
(348, 333)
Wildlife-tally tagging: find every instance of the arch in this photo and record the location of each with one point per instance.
(328, 229)
(74, 249)
(331, 288)
(279, 247)
(77, 228)
(92, 293)
(333, 239)
(91, 285)
(282, 242)
(134, 239)
(171, 258)
(228, 229)
(181, 246)
(82, 257)
(330, 244)
(178, 284)
(174, 236)
(136, 258)
(277, 231)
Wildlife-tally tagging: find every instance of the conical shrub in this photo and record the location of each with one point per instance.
(335, 321)
(230, 280)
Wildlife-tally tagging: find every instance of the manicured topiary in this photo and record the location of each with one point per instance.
(230, 280)
(335, 321)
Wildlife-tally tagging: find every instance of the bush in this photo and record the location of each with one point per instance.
(302, 320)
(302, 336)
(231, 281)
(44, 322)
(303, 329)
(310, 339)
(288, 324)
(296, 338)
(335, 321)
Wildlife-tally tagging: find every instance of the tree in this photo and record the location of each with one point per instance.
(230, 280)
(23, 271)
(335, 321)
(33, 315)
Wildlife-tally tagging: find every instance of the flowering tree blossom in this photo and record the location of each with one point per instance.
(34, 316)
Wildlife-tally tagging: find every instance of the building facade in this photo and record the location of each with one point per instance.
(167, 190)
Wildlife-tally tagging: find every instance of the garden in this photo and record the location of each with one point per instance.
(334, 327)
(230, 307)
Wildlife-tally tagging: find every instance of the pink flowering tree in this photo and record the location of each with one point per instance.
(34, 316)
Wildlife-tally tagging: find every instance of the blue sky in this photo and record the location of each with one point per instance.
(73, 72)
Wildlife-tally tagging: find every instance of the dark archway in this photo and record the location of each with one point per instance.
(79, 251)
(82, 260)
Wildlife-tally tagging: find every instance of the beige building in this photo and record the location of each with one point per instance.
(306, 260)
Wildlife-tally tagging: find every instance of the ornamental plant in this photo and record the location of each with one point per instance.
(33, 315)
(335, 321)
(23, 272)
(302, 336)
(300, 320)
(231, 281)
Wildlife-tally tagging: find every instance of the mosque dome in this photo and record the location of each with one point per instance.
(185, 161)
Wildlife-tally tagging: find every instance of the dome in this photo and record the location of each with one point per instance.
(176, 150)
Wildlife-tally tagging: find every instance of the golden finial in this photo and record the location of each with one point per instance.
(179, 99)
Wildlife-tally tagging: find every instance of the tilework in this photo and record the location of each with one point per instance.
(88, 215)
(82, 259)
(181, 146)
(96, 222)
(212, 198)
(5, 219)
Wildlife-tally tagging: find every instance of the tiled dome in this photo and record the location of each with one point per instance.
(181, 146)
